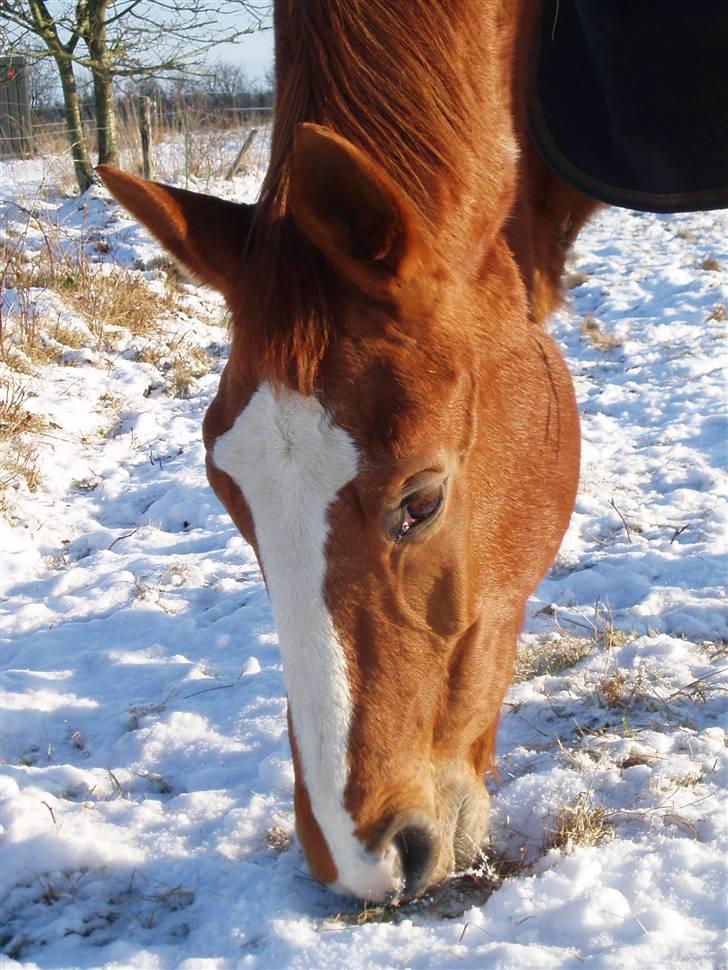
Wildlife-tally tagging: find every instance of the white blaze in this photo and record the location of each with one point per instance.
(290, 462)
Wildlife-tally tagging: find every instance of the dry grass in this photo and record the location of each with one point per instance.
(24, 344)
(592, 330)
(118, 299)
(714, 649)
(551, 657)
(643, 690)
(18, 426)
(67, 335)
(153, 353)
(718, 314)
(449, 899)
(31, 340)
(137, 712)
(572, 280)
(277, 839)
(212, 141)
(611, 637)
(564, 650)
(193, 144)
(611, 690)
(579, 824)
(180, 363)
(175, 278)
(636, 757)
(18, 462)
(185, 370)
(711, 264)
(107, 298)
(108, 301)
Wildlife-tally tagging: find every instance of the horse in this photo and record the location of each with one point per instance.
(395, 434)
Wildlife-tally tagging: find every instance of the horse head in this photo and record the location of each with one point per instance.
(403, 500)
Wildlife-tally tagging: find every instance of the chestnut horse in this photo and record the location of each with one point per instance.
(394, 433)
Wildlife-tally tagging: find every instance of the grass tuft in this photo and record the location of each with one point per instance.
(550, 657)
(573, 280)
(611, 690)
(592, 330)
(711, 264)
(579, 824)
(185, 370)
(277, 839)
(18, 429)
(120, 299)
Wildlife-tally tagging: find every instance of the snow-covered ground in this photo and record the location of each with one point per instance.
(147, 783)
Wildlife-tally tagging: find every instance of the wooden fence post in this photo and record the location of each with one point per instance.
(145, 131)
(186, 126)
(241, 154)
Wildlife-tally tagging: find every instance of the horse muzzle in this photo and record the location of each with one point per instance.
(413, 849)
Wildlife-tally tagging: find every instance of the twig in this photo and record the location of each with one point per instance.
(206, 690)
(475, 927)
(679, 532)
(53, 814)
(116, 785)
(119, 538)
(626, 527)
(694, 683)
(582, 626)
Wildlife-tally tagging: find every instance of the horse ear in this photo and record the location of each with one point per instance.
(207, 235)
(351, 210)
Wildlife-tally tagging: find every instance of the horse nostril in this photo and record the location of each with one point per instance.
(416, 847)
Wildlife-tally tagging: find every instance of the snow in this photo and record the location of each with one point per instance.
(147, 815)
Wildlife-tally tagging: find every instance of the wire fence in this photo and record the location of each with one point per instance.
(216, 118)
(181, 142)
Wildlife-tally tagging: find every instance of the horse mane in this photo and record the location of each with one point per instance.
(380, 74)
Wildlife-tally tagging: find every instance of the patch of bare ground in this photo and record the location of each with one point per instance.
(448, 900)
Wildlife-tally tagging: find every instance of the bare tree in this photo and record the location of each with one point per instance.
(33, 18)
(42, 80)
(123, 39)
(224, 84)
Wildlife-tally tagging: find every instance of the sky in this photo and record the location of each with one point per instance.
(253, 52)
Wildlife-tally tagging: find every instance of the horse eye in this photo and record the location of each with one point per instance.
(418, 508)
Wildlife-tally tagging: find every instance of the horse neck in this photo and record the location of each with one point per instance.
(423, 88)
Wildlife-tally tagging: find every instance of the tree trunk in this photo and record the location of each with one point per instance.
(72, 112)
(106, 119)
(44, 26)
(108, 141)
